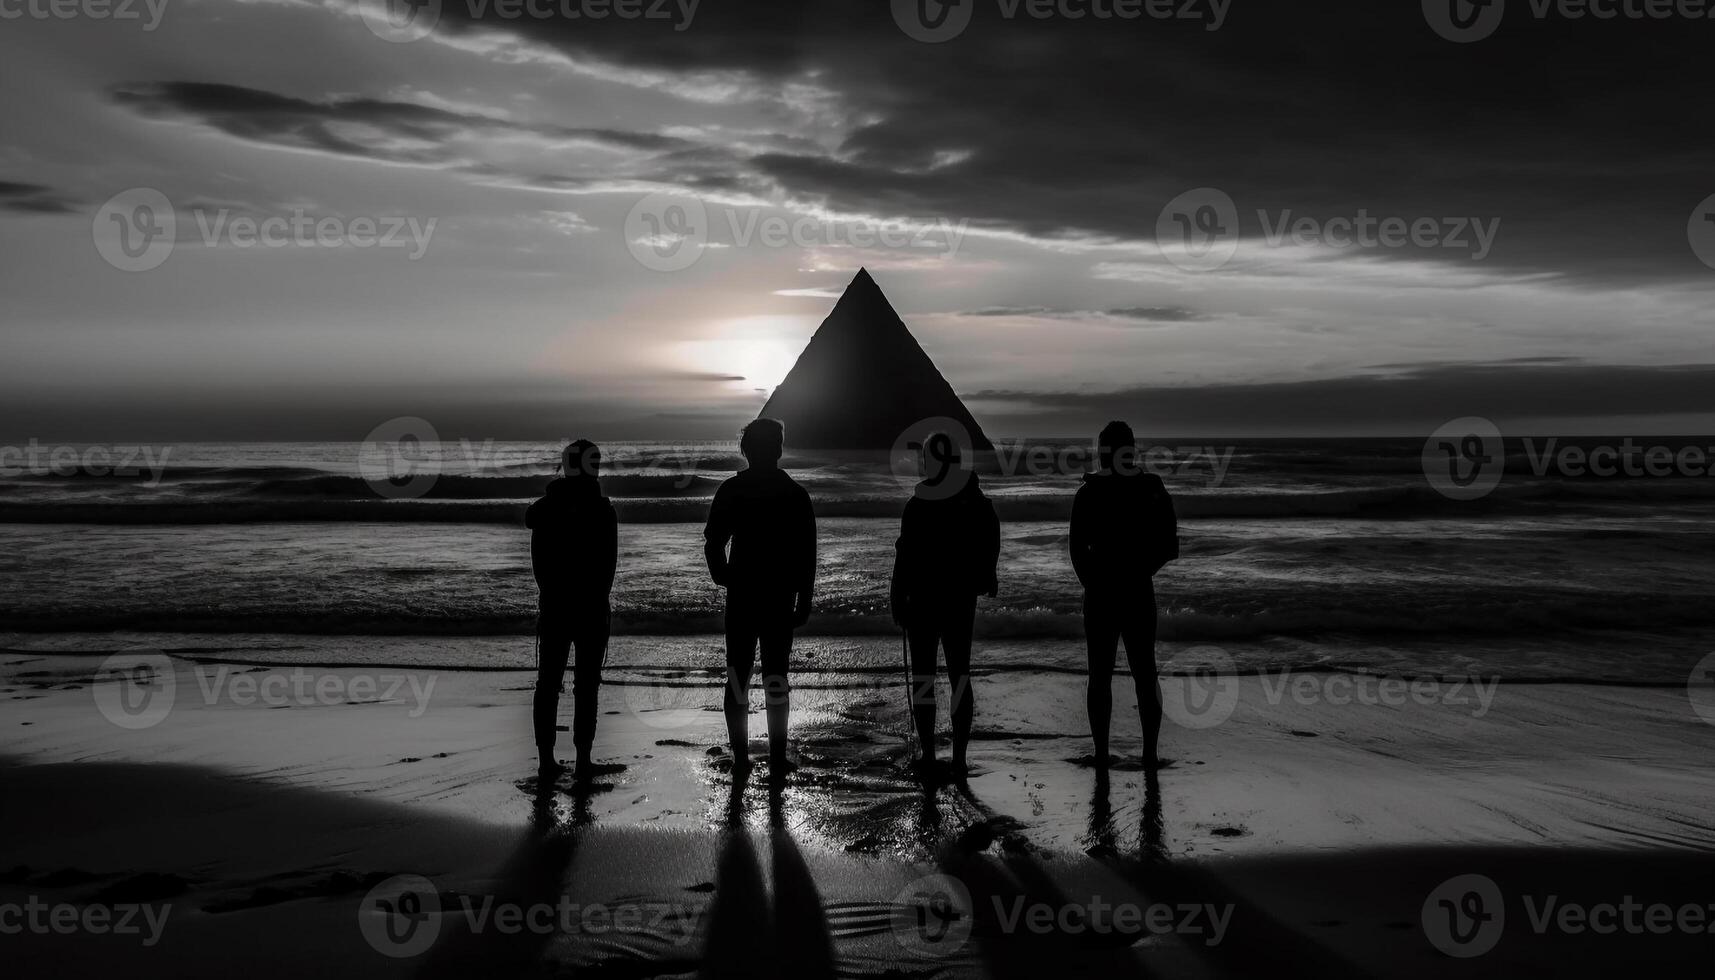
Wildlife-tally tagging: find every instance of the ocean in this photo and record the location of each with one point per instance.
(1306, 554)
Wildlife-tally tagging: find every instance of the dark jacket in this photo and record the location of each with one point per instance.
(949, 548)
(1123, 531)
(768, 519)
(574, 543)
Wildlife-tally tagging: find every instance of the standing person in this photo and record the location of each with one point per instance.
(574, 550)
(1123, 532)
(948, 550)
(768, 576)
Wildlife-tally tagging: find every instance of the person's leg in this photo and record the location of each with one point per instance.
(1138, 629)
(740, 660)
(554, 644)
(586, 684)
(775, 639)
(922, 638)
(956, 641)
(1101, 637)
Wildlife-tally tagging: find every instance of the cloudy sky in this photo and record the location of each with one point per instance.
(627, 226)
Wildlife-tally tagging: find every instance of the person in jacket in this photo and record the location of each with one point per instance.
(574, 550)
(1123, 532)
(946, 556)
(769, 576)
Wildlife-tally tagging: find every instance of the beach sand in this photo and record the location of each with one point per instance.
(1299, 834)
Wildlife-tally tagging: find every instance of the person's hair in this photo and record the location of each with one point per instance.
(581, 458)
(939, 446)
(1114, 437)
(763, 440)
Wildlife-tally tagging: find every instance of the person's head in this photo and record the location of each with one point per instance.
(581, 459)
(762, 442)
(1116, 447)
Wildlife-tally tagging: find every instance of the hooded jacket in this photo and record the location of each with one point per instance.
(949, 547)
(574, 542)
(1123, 531)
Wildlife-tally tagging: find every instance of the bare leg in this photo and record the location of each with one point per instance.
(776, 643)
(1101, 637)
(956, 641)
(1140, 656)
(740, 660)
(922, 640)
(554, 650)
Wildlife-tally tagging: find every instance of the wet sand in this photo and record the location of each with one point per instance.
(1319, 829)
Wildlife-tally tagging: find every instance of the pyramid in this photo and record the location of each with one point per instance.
(863, 380)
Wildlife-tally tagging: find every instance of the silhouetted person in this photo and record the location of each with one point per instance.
(949, 545)
(574, 549)
(1123, 532)
(768, 577)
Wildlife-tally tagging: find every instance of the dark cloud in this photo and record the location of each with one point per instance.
(1148, 314)
(1088, 127)
(400, 132)
(1156, 314)
(33, 199)
(1415, 401)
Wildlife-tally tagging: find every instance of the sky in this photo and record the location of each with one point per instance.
(626, 227)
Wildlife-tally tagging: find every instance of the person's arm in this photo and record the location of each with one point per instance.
(898, 599)
(1166, 524)
(715, 537)
(1081, 563)
(807, 551)
(609, 549)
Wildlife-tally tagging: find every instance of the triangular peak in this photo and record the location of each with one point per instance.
(863, 381)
